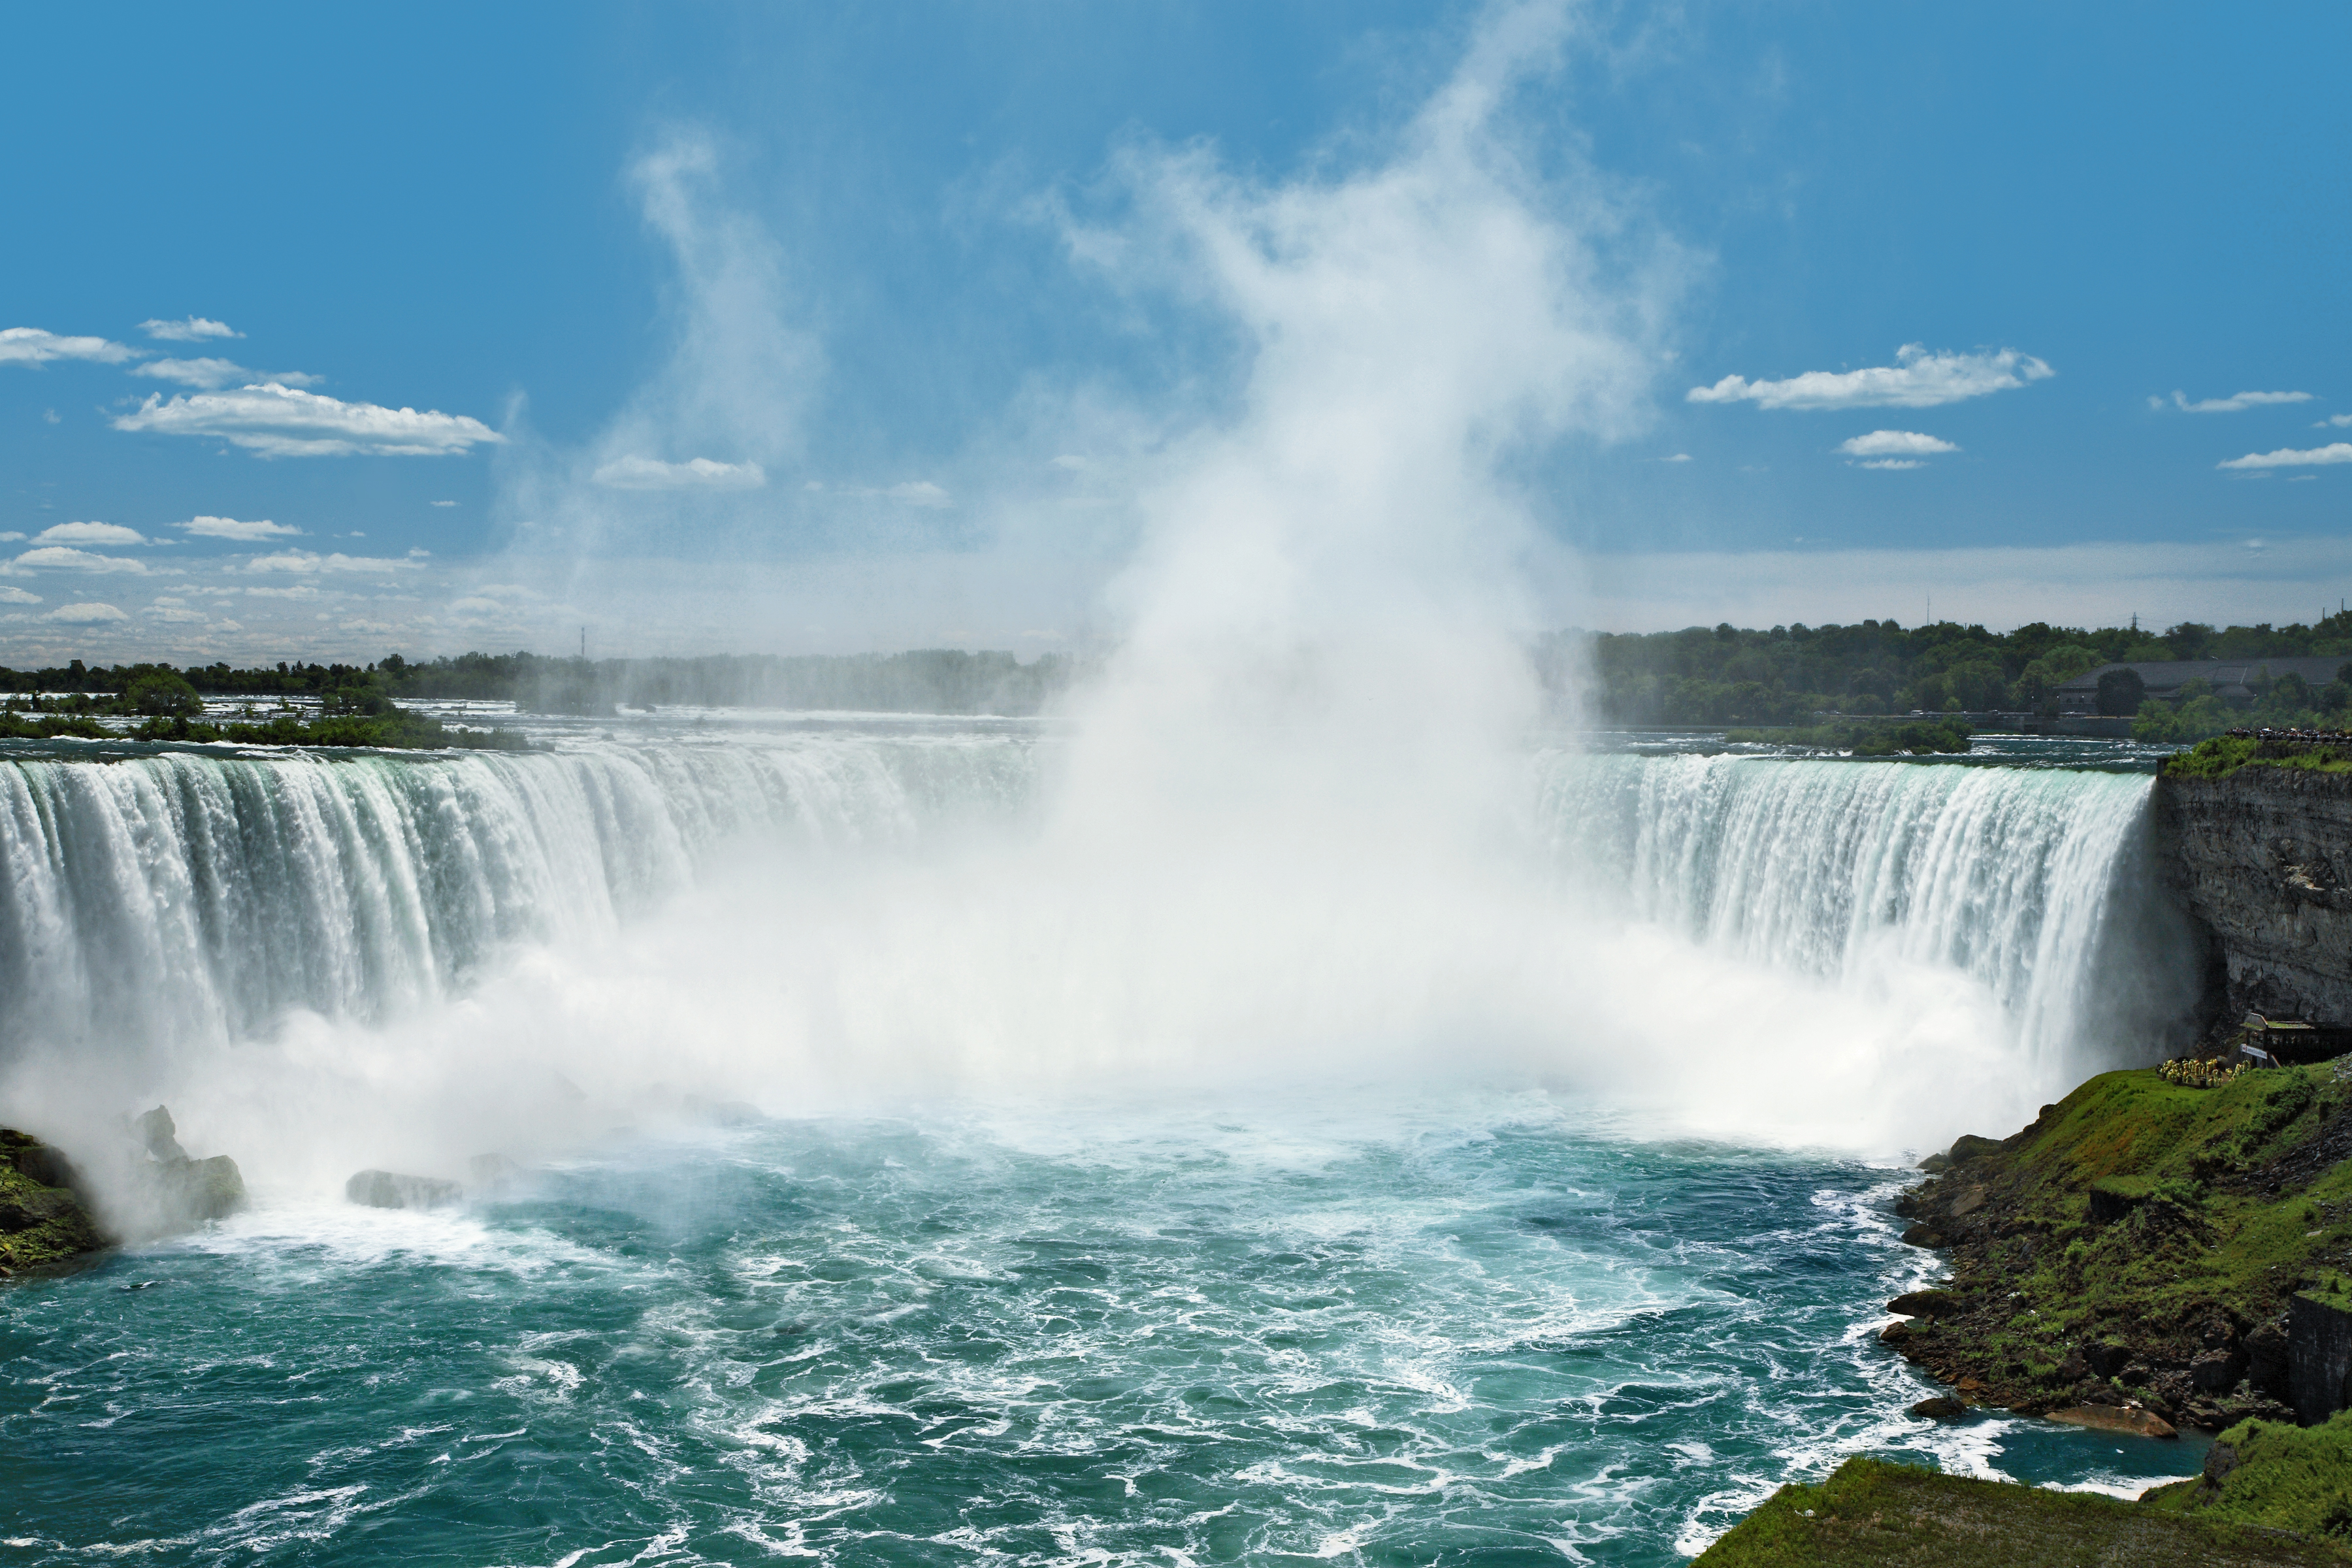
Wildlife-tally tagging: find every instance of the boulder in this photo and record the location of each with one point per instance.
(1968, 1146)
(1943, 1407)
(2105, 1357)
(2125, 1418)
(1927, 1304)
(391, 1190)
(1925, 1235)
(182, 1193)
(159, 1137)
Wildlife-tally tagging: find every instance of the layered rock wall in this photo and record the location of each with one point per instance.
(2263, 854)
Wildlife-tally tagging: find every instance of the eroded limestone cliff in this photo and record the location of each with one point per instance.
(2263, 854)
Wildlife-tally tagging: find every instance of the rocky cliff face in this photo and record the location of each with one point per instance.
(2263, 854)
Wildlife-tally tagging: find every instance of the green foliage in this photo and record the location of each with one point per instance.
(1724, 675)
(391, 729)
(2283, 1477)
(2121, 692)
(2225, 755)
(1872, 1514)
(159, 690)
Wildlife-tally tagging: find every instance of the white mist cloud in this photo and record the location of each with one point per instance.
(61, 558)
(18, 597)
(1894, 444)
(187, 329)
(85, 614)
(1917, 379)
(31, 345)
(1892, 463)
(2286, 457)
(233, 528)
(274, 420)
(697, 474)
(2338, 421)
(2233, 404)
(90, 533)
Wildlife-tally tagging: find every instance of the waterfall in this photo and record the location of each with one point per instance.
(179, 897)
(182, 899)
(2037, 883)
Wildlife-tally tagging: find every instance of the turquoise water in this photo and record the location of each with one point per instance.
(1488, 1333)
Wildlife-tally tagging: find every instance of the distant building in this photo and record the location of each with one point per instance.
(2228, 677)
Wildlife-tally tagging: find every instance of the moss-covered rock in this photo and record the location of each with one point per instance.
(2139, 1244)
(42, 1222)
(1871, 1514)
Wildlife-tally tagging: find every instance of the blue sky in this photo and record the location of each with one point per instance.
(887, 274)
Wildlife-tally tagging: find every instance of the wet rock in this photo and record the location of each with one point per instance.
(1936, 1165)
(187, 1193)
(1943, 1407)
(2125, 1418)
(42, 1224)
(2217, 1371)
(1925, 1235)
(2220, 1460)
(159, 1137)
(1895, 1333)
(392, 1190)
(2105, 1358)
(1927, 1304)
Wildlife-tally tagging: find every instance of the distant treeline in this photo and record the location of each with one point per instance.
(1792, 674)
(935, 681)
(1700, 677)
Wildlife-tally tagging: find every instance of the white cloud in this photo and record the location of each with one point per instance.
(30, 345)
(1893, 463)
(85, 614)
(18, 597)
(1677, 457)
(919, 492)
(58, 558)
(299, 591)
(441, 503)
(211, 373)
(174, 613)
(308, 562)
(697, 474)
(1917, 380)
(2337, 420)
(2235, 402)
(2288, 458)
(188, 329)
(1896, 444)
(10, 538)
(231, 528)
(1070, 461)
(278, 421)
(90, 533)
(205, 372)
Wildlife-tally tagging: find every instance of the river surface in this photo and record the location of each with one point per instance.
(807, 1294)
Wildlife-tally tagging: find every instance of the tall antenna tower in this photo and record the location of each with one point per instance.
(584, 645)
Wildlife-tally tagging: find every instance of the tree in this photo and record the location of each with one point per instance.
(2121, 691)
(161, 694)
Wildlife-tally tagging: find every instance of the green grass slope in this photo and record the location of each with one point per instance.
(2139, 1242)
(1872, 1514)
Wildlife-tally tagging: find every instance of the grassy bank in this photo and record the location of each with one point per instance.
(1871, 1514)
(2225, 755)
(2138, 1244)
(393, 730)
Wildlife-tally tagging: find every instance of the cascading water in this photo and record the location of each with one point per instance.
(177, 899)
(2035, 883)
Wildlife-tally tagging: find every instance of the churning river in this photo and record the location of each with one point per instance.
(900, 1174)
